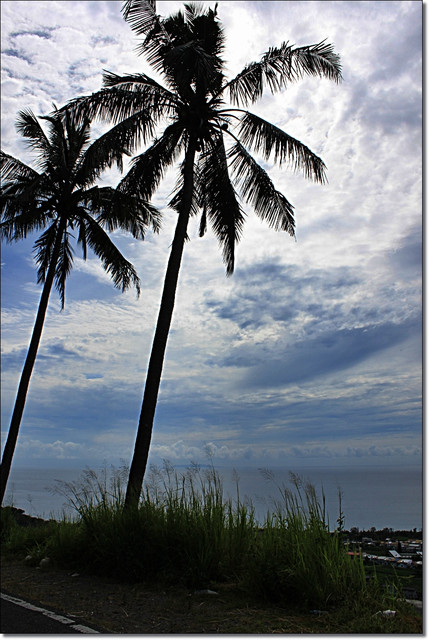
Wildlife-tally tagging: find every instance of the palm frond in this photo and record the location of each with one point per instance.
(203, 223)
(136, 82)
(77, 139)
(64, 266)
(119, 269)
(13, 169)
(122, 139)
(166, 34)
(42, 250)
(205, 28)
(266, 138)
(280, 65)
(219, 201)
(114, 209)
(116, 103)
(189, 58)
(317, 60)
(109, 149)
(178, 192)
(24, 199)
(148, 168)
(27, 195)
(183, 49)
(192, 12)
(171, 33)
(257, 189)
(19, 222)
(140, 15)
(81, 238)
(29, 127)
(57, 161)
(105, 152)
(189, 65)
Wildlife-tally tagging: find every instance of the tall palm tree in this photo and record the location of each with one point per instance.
(60, 198)
(215, 141)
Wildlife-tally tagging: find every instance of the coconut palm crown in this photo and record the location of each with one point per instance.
(209, 129)
(59, 198)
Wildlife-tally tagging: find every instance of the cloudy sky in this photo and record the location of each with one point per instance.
(310, 353)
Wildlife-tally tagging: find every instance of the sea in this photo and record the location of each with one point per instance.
(370, 496)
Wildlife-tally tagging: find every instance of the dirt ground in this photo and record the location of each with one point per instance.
(120, 608)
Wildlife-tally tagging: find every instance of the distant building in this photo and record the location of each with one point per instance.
(413, 547)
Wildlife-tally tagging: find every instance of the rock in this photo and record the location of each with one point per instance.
(318, 612)
(45, 563)
(28, 559)
(417, 604)
(388, 613)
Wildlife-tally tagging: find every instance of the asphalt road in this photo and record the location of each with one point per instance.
(23, 617)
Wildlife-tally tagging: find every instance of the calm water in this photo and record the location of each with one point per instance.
(379, 497)
(371, 496)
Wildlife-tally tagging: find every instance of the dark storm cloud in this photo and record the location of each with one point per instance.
(59, 350)
(17, 50)
(45, 33)
(328, 353)
(391, 108)
(102, 40)
(47, 355)
(13, 360)
(81, 408)
(290, 422)
(266, 292)
(398, 53)
(408, 258)
(389, 96)
(383, 109)
(15, 53)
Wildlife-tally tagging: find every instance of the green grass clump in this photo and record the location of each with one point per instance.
(297, 559)
(25, 539)
(184, 529)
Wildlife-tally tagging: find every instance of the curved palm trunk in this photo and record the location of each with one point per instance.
(21, 395)
(153, 378)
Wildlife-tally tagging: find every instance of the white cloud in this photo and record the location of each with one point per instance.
(58, 449)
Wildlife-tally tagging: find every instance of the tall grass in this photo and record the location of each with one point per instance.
(184, 528)
(186, 531)
(298, 558)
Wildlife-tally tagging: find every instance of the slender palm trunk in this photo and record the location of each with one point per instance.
(21, 395)
(153, 378)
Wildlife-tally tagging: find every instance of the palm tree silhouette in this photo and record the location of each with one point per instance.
(215, 141)
(60, 197)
